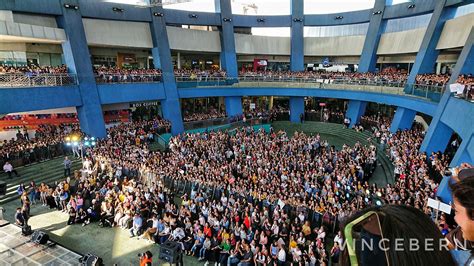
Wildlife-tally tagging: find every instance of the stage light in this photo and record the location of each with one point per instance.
(75, 138)
(92, 138)
(298, 20)
(117, 9)
(87, 143)
(156, 14)
(338, 17)
(70, 6)
(93, 143)
(68, 144)
(260, 20)
(412, 6)
(68, 139)
(86, 138)
(75, 143)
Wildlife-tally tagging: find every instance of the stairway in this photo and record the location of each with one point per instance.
(44, 172)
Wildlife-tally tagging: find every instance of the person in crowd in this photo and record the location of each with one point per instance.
(67, 166)
(462, 237)
(393, 230)
(19, 219)
(8, 168)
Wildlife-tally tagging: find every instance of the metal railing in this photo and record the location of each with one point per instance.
(39, 80)
(129, 78)
(429, 92)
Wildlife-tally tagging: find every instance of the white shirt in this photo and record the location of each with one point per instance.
(8, 167)
(281, 255)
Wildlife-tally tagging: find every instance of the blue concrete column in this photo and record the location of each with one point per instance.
(427, 54)
(161, 52)
(465, 63)
(77, 58)
(228, 56)
(368, 58)
(233, 105)
(297, 39)
(403, 119)
(355, 110)
(465, 152)
(296, 109)
(436, 138)
(156, 58)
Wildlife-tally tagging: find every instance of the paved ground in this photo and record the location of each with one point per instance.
(113, 245)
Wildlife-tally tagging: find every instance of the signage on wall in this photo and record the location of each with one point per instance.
(144, 104)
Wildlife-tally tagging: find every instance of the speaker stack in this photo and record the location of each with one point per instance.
(91, 260)
(39, 237)
(170, 252)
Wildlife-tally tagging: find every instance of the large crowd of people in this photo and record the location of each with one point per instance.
(230, 208)
(32, 70)
(245, 196)
(48, 142)
(211, 113)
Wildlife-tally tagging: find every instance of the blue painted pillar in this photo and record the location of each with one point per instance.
(77, 58)
(403, 119)
(355, 110)
(465, 152)
(296, 109)
(436, 138)
(439, 133)
(465, 63)
(368, 58)
(297, 40)
(156, 58)
(233, 105)
(161, 52)
(427, 54)
(228, 56)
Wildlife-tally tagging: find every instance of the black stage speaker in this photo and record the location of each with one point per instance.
(26, 231)
(3, 188)
(91, 260)
(170, 252)
(39, 237)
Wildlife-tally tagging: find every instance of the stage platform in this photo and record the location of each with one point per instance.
(16, 249)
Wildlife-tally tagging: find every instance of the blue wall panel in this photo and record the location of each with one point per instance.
(121, 93)
(13, 100)
(403, 119)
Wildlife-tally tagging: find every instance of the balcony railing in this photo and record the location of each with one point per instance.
(131, 78)
(39, 80)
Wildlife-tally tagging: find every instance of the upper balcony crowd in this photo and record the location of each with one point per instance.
(51, 76)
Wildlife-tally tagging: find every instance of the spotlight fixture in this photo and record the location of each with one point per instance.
(338, 17)
(227, 19)
(377, 12)
(156, 14)
(193, 16)
(298, 20)
(260, 20)
(117, 9)
(411, 6)
(70, 6)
